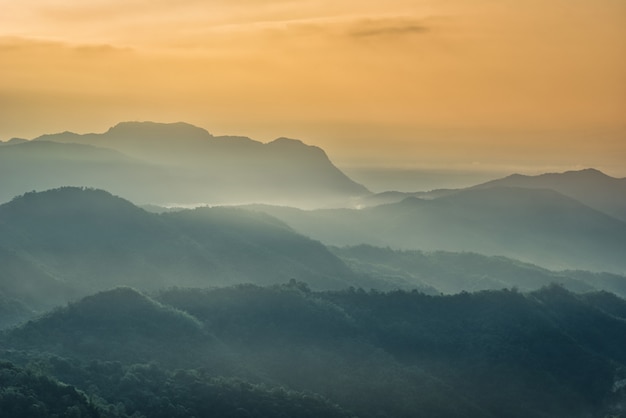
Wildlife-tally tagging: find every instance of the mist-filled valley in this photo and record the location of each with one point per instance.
(156, 270)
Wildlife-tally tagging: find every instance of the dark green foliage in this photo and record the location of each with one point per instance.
(25, 394)
(145, 390)
(549, 353)
(118, 324)
(607, 302)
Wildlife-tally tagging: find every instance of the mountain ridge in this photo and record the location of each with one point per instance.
(589, 186)
(80, 240)
(542, 227)
(195, 166)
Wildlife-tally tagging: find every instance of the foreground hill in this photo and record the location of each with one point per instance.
(72, 241)
(188, 164)
(398, 354)
(534, 225)
(590, 186)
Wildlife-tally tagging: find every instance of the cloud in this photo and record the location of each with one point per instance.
(388, 28)
(16, 44)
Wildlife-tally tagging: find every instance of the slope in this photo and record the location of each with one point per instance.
(42, 165)
(118, 324)
(451, 273)
(589, 186)
(534, 225)
(88, 240)
(227, 169)
(400, 354)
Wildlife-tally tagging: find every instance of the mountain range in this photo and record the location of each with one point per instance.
(539, 226)
(61, 243)
(58, 245)
(589, 186)
(441, 272)
(498, 300)
(163, 163)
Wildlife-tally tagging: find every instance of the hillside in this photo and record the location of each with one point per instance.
(71, 241)
(396, 354)
(190, 166)
(591, 187)
(534, 225)
(449, 273)
(41, 165)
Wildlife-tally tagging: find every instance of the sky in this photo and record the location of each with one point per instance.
(493, 85)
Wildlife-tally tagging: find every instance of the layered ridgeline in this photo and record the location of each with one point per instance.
(449, 273)
(539, 226)
(59, 244)
(165, 163)
(398, 354)
(589, 186)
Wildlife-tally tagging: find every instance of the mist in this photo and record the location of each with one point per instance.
(157, 270)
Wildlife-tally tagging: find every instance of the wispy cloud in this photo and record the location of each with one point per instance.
(388, 28)
(21, 44)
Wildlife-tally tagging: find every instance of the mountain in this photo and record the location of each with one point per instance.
(120, 320)
(26, 282)
(451, 273)
(385, 198)
(533, 225)
(391, 354)
(591, 187)
(72, 241)
(42, 165)
(192, 166)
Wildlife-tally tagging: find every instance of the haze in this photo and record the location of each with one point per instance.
(524, 86)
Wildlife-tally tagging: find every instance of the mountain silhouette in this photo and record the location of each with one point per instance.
(539, 226)
(42, 165)
(590, 186)
(450, 273)
(191, 166)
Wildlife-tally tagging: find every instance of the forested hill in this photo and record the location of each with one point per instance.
(548, 353)
(68, 242)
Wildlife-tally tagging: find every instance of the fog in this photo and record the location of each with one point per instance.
(156, 270)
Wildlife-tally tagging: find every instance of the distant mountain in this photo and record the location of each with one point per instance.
(13, 141)
(589, 186)
(452, 273)
(71, 241)
(534, 225)
(42, 165)
(385, 198)
(192, 166)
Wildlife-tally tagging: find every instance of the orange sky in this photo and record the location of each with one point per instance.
(517, 85)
